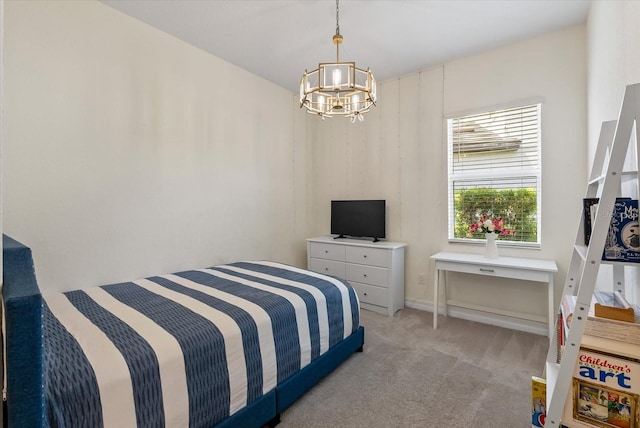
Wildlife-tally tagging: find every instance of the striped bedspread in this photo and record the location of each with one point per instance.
(186, 349)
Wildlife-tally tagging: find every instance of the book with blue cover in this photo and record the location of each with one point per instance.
(623, 239)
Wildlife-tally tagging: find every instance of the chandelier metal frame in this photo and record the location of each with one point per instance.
(338, 88)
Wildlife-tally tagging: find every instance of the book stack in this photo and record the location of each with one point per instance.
(627, 331)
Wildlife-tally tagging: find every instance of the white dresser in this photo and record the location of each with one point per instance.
(374, 269)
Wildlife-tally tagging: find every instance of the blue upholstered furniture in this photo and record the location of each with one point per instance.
(22, 313)
(25, 405)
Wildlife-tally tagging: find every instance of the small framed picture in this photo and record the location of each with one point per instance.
(604, 407)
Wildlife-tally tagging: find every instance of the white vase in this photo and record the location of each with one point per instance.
(491, 250)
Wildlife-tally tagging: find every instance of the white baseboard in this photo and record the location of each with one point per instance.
(483, 317)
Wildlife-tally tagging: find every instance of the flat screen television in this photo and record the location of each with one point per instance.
(358, 218)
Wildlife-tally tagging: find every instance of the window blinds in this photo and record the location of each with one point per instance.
(497, 153)
(493, 141)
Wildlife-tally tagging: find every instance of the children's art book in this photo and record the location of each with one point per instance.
(604, 393)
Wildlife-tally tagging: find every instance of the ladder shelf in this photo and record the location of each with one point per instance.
(606, 182)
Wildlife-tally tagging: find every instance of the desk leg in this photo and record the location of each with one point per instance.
(552, 309)
(436, 286)
(444, 291)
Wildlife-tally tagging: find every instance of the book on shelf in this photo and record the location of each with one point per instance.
(606, 379)
(560, 335)
(613, 329)
(590, 205)
(538, 401)
(613, 306)
(623, 238)
(619, 240)
(604, 392)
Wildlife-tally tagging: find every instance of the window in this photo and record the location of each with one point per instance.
(494, 170)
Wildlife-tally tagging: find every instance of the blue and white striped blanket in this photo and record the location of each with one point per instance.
(187, 349)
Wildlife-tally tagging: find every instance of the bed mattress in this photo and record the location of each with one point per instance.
(189, 348)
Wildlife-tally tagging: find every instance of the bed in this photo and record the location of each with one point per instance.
(230, 345)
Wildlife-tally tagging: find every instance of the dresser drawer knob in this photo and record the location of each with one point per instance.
(365, 256)
(326, 251)
(365, 275)
(326, 268)
(365, 294)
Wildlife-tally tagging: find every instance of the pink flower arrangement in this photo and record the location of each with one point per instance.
(488, 225)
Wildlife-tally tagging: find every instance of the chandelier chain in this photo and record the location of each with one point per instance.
(337, 17)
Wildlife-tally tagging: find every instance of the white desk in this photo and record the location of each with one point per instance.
(504, 267)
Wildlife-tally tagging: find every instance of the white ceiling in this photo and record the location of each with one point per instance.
(279, 39)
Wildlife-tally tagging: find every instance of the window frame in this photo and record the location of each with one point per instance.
(529, 172)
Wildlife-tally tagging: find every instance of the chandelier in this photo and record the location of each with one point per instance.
(338, 88)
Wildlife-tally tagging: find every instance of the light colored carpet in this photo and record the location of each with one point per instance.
(464, 374)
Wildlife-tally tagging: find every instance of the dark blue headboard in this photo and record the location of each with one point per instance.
(23, 323)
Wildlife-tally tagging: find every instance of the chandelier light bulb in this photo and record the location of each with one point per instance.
(337, 78)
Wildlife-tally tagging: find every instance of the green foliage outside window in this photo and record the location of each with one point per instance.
(516, 206)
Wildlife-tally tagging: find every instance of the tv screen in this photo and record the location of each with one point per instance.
(362, 218)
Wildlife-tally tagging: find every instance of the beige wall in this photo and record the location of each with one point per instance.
(131, 153)
(399, 154)
(613, 43)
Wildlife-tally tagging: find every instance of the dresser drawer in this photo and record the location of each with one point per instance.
(370, 294)
(327, 267)
(368, 256)
(367, 274)
(321, 250)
